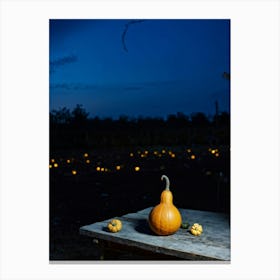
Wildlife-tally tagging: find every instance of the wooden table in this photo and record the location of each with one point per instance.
(213, 244)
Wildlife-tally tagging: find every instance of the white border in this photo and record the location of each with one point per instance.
(24, 138)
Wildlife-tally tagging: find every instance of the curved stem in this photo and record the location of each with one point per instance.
(167, 182)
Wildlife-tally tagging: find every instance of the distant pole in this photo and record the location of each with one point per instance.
(216, 112)
(227, 77)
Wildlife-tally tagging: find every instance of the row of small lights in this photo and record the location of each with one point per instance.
(156, 153)
(103, 169)
(54, 164)
(98, 168)
(160, 154)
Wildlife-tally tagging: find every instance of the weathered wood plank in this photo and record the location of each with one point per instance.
(213, 244)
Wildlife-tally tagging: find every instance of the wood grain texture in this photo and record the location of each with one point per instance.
(213, 244)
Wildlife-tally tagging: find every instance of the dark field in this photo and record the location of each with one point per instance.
(107, 185)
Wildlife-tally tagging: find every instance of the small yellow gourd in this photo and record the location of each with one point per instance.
(165, 218)
(114, 225)
(196, 229)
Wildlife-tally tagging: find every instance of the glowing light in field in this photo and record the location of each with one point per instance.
(131, 154)
(118, 167)
(52, 160)
(163, 151)
(55, 165)
(87, 161)
(98, 168)
(74, 172)
(137, 168)
(192, 156)
(189, 150)
(68, 161)
(85, 154)
(106, 169)
(146, 152)
(102, 169)
(155, 152)
(214, 152)
(50, 166)
(173, 155)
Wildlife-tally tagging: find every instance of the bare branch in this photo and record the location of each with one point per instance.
(125, 31)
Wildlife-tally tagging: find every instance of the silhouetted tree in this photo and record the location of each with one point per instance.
(222, 119)
(79, 114)
(199, 119)
(75, 130)
(60, 116)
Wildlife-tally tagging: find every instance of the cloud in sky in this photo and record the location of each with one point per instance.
(132, 88)
(72, 86)
(127, 87)
(60, 86)
(62, 61)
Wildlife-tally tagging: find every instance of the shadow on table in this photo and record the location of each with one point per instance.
(143, 227)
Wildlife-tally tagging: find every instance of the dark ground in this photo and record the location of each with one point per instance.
(91, 195)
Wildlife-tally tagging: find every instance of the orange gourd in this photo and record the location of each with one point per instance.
(165, 218)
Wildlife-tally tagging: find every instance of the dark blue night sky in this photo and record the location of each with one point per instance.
(148, 68)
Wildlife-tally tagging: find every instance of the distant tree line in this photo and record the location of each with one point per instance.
(75, 130)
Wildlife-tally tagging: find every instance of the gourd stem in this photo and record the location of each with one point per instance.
(167, 182)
